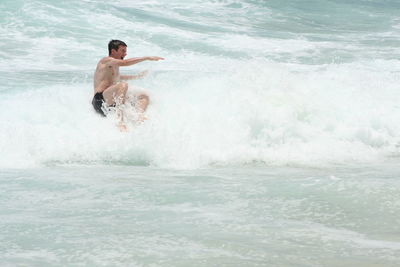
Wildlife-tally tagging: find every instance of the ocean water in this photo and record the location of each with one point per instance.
(273, 136)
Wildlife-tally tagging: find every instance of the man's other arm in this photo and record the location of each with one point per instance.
(134, 77)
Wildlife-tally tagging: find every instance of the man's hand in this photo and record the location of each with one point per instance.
(142, 74)
(155, 58)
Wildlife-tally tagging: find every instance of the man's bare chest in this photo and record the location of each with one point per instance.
(112, 72)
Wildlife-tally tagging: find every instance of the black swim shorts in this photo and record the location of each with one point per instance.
(97, 103)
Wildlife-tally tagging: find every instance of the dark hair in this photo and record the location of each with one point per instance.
(114, 44)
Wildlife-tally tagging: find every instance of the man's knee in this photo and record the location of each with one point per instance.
(122, 88)
(143, 97)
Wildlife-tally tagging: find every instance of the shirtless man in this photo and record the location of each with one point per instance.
(109, 90)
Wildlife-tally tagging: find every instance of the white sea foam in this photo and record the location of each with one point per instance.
(266, 112)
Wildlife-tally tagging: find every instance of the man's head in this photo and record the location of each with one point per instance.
(117, 49)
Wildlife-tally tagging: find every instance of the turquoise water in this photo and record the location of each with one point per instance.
(247, 216)
(272, 140)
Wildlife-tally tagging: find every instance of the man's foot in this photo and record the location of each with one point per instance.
(141, 118)
(122, 127)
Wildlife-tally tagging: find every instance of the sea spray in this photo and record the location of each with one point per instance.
(263, 112)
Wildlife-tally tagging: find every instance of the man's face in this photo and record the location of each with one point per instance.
(121, 52)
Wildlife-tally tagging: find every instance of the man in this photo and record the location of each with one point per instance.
(109, 90)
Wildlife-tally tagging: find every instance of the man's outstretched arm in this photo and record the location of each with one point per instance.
(130, 61)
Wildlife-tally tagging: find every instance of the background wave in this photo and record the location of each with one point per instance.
(243, 82)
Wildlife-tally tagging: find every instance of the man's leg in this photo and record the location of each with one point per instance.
(142, 101)
(116, 94)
